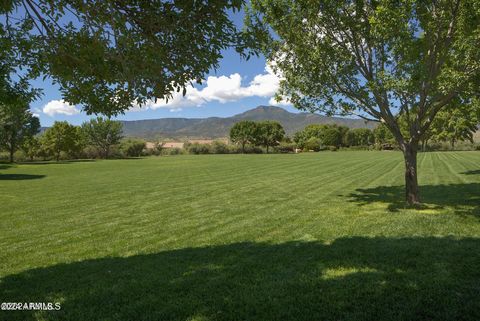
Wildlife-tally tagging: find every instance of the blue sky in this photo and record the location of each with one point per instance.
(236, 86)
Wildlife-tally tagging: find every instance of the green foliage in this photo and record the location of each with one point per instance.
(132, 147)
(102, 133)
(219, 147)
(108, 55)
(359, 137)
(316, 136)
(312, 143)
(197, 148)
(32, 147)
(455, 124)
(62, 137)
(268, 133)
(243, 133)
(374, 59)
(17, 124)
(382, 135)
(285, 147)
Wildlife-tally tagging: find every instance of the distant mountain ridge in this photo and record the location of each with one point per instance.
(216, 127)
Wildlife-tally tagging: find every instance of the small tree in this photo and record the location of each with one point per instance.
(32, 147)
(269, 133)
(243, 132)
(102, 133)
(61, 137)
(133, 147)
(16, 125)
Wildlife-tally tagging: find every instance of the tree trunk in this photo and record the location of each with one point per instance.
(412, 194)
(267, 149)
(243, 147)
(11, 152)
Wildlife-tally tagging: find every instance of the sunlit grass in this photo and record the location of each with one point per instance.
(323, 236)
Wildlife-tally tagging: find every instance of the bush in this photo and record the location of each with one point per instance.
(198, 149)
(250, 149)
(332, 148)
(313, 143)
(132, 147)
(219, 147)
(285, 147)
(172, 151)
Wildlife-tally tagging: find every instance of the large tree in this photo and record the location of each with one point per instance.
(17, 123)
(269, 133)
(103, 133)
(243, 132)
(374, 59)
(62, 137)
(109, 55)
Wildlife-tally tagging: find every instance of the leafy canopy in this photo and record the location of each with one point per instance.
(108, 55)
(374, 59)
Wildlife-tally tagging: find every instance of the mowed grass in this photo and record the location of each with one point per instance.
(320, 236)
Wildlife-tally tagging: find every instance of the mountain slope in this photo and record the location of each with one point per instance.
(215, 127)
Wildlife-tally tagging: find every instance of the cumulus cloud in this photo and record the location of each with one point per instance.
(220, 89)
(60, 107)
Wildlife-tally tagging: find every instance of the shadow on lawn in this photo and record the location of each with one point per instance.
(350, 279)
(464, 198)
(19, 177)
(473, 172)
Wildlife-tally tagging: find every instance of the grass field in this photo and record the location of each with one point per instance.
(320, 236)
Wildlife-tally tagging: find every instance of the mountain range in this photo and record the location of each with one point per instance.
(216, 127)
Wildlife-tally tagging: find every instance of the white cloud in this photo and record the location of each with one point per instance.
(220, 89)
(54, 107)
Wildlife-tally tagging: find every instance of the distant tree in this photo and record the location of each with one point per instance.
(32, 147)
(374, 59)
(382, 135)
(243, 132)
(133, 147)
(17, 124)
(269, 133)
(328, 135)
(455, 124)
(61, 137)
(360, 137)
(102, 133)
(331, 136)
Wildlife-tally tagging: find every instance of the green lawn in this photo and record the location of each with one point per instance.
(319, 236)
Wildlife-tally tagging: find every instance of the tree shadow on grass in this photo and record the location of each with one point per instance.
(473, 172)
(464, 198)
(350, 279)
(19, 177)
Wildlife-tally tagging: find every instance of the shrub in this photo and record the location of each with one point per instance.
(198, 149)
(172, 151)
(313, 143)
(332, 148)
(285, 147)
(132, 147)
(219, 147)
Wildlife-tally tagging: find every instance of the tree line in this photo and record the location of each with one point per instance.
(19, 130)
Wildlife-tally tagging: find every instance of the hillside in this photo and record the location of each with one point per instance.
(216, 127)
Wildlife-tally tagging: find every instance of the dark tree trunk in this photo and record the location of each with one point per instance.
(11, 152)
(243, 147)
(412, 193)
(267, 149)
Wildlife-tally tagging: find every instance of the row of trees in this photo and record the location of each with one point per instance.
(264, 133)
(19, 131)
